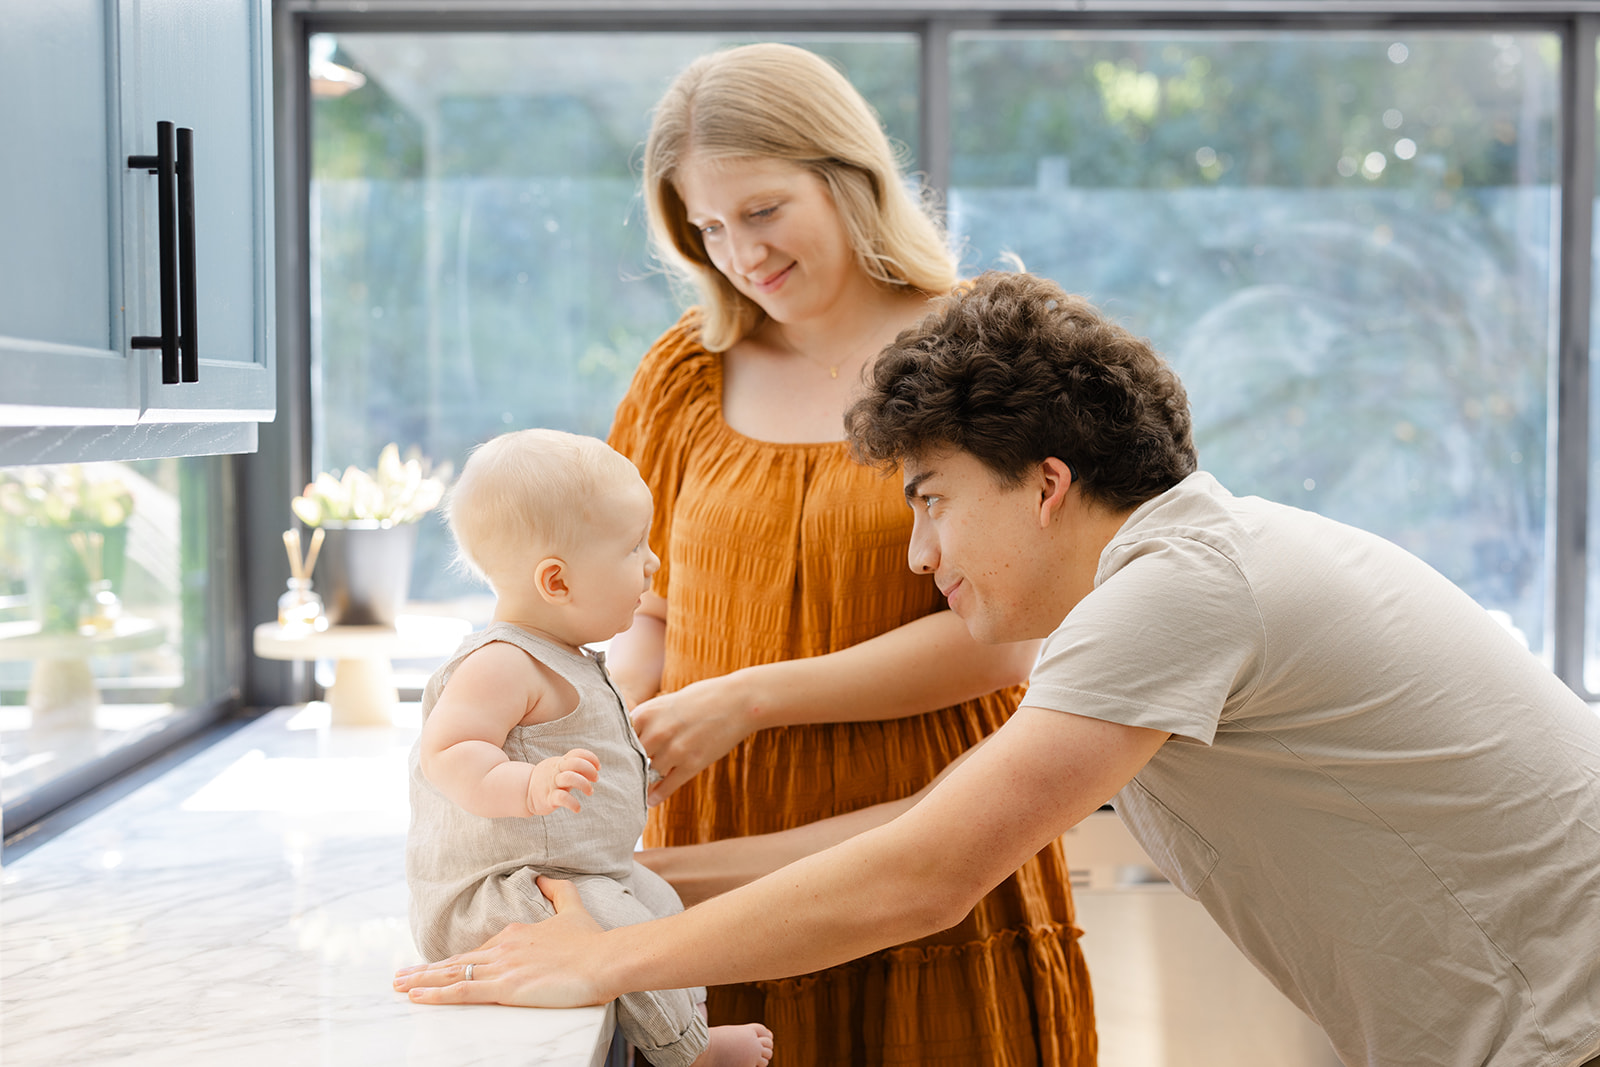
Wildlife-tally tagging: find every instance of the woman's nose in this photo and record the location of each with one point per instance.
(745, 253)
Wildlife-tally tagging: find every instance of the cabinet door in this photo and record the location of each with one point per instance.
(203, 64)
(64, 358)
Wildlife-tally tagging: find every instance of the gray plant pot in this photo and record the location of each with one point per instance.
(364, 572)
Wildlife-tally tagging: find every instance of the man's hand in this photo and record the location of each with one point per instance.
(551, 964)
(555, 780)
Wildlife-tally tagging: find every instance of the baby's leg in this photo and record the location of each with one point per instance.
(748, 1045)
(662, 1024)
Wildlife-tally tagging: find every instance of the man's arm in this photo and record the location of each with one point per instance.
(1036, 777)
(700, 872)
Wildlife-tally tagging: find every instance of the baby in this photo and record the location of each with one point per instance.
(522, 718)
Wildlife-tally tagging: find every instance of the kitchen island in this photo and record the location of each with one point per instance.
(247, 907)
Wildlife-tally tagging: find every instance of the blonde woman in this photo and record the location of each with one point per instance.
(788, 666)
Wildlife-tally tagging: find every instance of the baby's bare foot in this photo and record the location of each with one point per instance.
(749, 1045)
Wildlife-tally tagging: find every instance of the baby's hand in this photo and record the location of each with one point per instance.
(555, 780)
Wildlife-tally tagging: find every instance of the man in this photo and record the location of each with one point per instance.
(1387, 803)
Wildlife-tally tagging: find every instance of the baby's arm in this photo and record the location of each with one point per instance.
(493, 690)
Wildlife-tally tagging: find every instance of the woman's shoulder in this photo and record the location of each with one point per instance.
(676, 383)
(678, 353)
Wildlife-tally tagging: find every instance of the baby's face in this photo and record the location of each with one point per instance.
(612, 569)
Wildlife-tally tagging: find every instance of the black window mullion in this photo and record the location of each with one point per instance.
(1570, 481)
(933, 110)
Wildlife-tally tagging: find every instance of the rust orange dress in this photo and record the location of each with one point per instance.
(776, 551)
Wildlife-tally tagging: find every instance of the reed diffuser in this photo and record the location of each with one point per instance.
(100, 610)
(301, 608)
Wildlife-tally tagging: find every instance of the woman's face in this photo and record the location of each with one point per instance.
(771, 227)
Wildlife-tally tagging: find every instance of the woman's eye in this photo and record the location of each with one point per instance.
(708, 229)
(763, 213)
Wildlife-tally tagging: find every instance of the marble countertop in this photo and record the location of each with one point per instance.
(247, 907)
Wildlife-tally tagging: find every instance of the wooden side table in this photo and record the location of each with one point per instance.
(363, 691)
(62, 686)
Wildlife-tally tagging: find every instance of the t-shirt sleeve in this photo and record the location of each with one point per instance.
(657, 420)
(1168, 641)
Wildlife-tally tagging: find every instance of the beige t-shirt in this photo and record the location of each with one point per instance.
(1387, 803)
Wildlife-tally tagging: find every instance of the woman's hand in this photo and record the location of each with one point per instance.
(551, 964)
(687, 730)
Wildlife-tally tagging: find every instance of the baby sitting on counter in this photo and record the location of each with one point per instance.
(523, 718)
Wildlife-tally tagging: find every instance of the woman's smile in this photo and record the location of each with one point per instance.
(772, 281)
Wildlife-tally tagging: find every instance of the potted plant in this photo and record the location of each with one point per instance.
(73, 524)
(369, 518)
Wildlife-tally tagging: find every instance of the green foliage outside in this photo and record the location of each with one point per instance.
(1343, 242)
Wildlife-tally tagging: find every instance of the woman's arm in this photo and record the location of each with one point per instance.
(635, 656)
(929, 663)
(1039, 775)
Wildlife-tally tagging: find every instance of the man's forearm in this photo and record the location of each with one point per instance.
(916, 875)
(814, 913)
(700, 872)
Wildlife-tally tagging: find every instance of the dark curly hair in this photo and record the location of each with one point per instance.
(1013, 370)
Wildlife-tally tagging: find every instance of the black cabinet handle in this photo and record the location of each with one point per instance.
(173, 166)
(188, 339)
(163, 166)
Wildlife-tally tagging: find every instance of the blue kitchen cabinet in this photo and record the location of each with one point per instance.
(84, 85)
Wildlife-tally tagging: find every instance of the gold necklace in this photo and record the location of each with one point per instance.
(831, 368)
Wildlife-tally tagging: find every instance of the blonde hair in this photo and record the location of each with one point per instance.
(776, 101)
(526, 493)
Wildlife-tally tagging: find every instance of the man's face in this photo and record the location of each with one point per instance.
(986, 545)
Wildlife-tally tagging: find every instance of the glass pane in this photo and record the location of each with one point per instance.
(479, 258)
(1343, 242)
(105, 616)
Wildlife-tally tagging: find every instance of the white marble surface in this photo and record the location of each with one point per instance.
(248, 907)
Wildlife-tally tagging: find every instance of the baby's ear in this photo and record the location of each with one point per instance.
(550, 575)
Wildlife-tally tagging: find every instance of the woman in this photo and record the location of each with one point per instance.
(788, 665)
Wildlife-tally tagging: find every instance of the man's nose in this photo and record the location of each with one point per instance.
(923, 553)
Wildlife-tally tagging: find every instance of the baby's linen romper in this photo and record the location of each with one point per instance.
(470, 876)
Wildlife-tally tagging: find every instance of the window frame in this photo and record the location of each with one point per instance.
(270, 477)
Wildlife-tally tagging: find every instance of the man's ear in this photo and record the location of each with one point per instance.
(1054, 480)
(550, 575)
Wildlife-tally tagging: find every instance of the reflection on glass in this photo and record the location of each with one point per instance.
(1342, 242)
(479, 259)
(102, 613)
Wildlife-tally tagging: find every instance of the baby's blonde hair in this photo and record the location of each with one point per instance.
(527, 494)
(776, 101)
